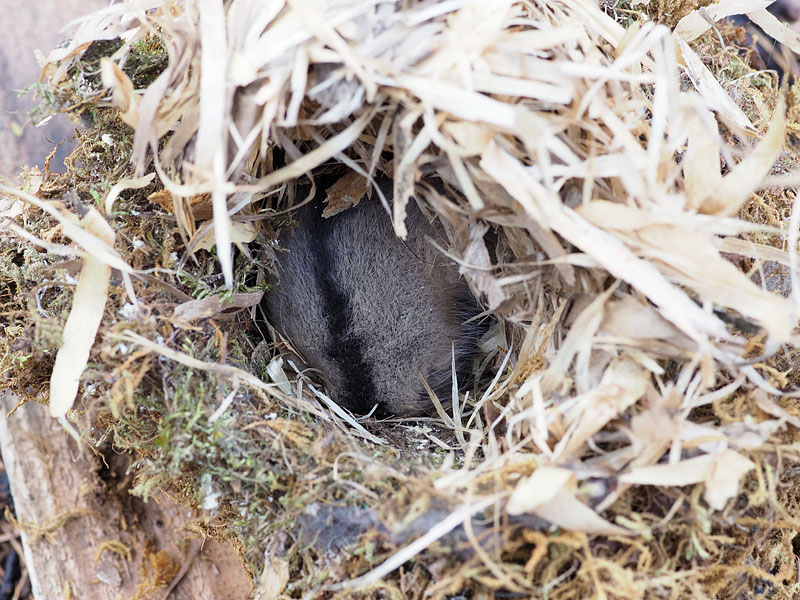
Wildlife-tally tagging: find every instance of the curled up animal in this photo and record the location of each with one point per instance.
(371, 314)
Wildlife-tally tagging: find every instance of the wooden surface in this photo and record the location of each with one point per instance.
(50, 477)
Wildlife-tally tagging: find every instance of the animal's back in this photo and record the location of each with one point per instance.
(371, 313)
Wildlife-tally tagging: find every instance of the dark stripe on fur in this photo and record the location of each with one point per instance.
(345, 349)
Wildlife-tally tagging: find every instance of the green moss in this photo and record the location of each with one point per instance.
(79, 93)
(147, 60)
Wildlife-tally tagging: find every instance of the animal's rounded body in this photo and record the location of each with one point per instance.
(373, 314)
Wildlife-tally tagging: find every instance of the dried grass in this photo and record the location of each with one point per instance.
(638, 436)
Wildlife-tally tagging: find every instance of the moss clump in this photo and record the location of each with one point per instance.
(147, 60)
(80, 90)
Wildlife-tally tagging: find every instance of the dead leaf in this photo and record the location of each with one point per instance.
(477, 265)
(200, 204)
(240, 232)
(211, 306)
(720, 472)
(623, 383)
(348, 191)
(770, 407)
(88, 306)
(128, 183)
(273, 579)
(550, 493)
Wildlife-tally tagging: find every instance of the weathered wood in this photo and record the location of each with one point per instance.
(52, 479)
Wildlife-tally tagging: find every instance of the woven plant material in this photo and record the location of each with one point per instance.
(618, 194)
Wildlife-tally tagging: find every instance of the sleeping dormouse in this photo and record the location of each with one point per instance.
(372, 314)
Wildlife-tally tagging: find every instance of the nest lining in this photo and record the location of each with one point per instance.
(644, 364)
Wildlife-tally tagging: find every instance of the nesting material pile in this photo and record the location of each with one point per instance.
(634, 434)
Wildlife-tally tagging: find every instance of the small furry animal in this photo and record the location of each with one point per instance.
(373, 314)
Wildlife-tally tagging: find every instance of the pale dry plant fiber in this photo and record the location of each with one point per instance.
(513, 103)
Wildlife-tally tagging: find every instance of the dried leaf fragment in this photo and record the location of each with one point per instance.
(348, 191)
(623, 383)
(238, 233)
(708, 190)
(211, 306)
(780, 32)
(720, 472)
(550, 493)
(697, 22)
(630, 318)
(128, 183)
(123, 95)
(200, 204)
(273, 579)
(83, 321)
(477, 263)
(710, 89)
(540, 488)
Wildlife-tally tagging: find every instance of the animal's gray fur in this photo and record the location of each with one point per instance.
(370, 312)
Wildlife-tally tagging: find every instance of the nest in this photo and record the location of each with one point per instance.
(619, 197)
